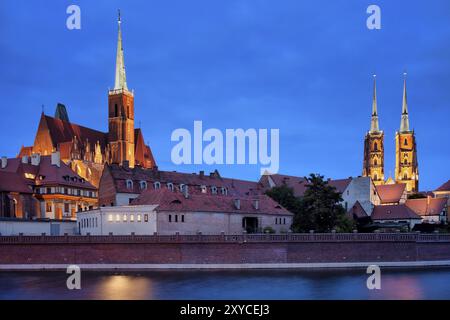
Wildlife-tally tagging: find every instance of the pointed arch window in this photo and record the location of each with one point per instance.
(116, 110)
(375, 162)
(375, 177)
(406, 142)
(405, 176)
(375, 146)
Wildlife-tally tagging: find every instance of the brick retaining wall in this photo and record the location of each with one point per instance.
(224, 249)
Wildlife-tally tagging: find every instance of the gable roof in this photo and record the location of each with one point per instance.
(50, 174)
(444, 187)
(62, 131)
(393, 212)
(427, 206)
(358, 211)
(391, 193)
(142, 153)
(176, 201)
(194, 181)
(13, 182)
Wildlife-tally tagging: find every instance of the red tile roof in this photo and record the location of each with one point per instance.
(51, 174)
(194, 181)
(358, 211)
(393, 212)
(391, 193)
(63, 131)
(444, 187)
(13, 182)
(175, 201)
(142, 153)
(427, 206)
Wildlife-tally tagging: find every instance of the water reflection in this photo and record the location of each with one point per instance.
(124, 287)
(226, 285)
(402, 288)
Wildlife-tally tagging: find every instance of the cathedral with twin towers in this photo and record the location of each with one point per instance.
(406, 165)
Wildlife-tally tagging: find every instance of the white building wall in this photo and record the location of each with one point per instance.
(123, 199)
(31, 228)
(217, 222)
(122, 220)
(361, 189)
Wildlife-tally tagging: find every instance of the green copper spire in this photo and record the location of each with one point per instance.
(121, 79)
(404, 123)
(374, 126)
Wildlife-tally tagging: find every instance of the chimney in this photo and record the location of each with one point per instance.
(237, 204)
(4, 162)
(256, 204)
(35, 159)
(56, 159)
(25, 159)
(202, 174)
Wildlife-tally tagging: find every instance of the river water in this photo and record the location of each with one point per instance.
(430, 283)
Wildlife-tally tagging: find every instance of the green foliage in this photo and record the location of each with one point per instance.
(319, 209)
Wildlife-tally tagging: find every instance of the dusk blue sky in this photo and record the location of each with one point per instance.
(304, 67)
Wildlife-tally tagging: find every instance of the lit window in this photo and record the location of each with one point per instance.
(125, 218)
(110, 218)
(139, 218)
(117, 217)
(131, 217)
(204, 189)
(29, 175)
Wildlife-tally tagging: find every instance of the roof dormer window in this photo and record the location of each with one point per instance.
(143, 185)
(129, 184)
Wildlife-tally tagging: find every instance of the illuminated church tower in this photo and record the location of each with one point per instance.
(406, 167)
(121, 113)
(373, 165)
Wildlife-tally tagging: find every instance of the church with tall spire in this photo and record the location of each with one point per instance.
(87, 150)
(373, 163)
(406, 165)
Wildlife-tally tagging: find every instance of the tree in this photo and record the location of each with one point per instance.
(318, 209)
